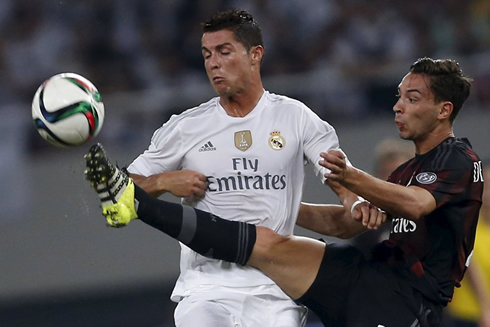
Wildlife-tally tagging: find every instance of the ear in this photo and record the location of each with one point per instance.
(257, 53)
(445, 110)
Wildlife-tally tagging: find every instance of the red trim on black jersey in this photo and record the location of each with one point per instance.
(444, 239)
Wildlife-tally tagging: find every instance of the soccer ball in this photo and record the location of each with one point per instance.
(67, 110)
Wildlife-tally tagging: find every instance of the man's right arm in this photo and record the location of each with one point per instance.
(181, 183)
(412, 202)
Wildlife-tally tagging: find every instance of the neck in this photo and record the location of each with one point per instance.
(431, 141)
(240, 105)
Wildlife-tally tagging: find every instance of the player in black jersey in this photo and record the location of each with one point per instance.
(433, 201)
(434, 207)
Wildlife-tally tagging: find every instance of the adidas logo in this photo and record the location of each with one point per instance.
(207, 147)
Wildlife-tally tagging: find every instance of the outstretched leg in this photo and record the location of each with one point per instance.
(291, 261)
(123, 201)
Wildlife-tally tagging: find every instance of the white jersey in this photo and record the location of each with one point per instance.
(255, 171)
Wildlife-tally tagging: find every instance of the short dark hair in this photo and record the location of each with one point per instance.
(245, 28)
(447, 81)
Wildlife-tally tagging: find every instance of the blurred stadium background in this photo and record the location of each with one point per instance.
(59, 265)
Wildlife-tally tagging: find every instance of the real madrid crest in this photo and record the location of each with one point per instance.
(276, 141)
(243, 140)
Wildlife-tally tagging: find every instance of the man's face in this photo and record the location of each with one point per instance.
(416, 113)
(227, 63)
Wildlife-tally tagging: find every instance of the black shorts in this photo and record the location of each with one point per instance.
(352, 291)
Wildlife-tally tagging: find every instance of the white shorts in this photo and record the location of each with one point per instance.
(239, 307)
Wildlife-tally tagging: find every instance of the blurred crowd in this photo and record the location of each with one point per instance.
(343, 57)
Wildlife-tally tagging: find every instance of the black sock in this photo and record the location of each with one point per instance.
(205, 233)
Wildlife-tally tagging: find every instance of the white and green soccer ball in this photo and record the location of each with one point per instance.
(67, 110)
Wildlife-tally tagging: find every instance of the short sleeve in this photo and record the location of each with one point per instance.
(318, 136)
(164, 152)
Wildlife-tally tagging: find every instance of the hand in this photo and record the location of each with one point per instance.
(335, 161)
(185, 184)
(371, 216)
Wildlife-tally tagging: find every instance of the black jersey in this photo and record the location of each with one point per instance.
(443, 240)
(410, 277)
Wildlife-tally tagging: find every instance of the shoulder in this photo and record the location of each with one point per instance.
(292, 107)
(201, 110)
(282, 100)
(452, 154)
(198, 112)
(464, 147)
(178, 122)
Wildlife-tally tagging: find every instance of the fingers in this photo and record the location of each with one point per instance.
(199, 188)
(331, 159)
(374, 219)
(186, 183)
(333, 153)
(199, 185)
(369, 215)
(202, 177)
(334, 161)
(365, 214)
(357, 209)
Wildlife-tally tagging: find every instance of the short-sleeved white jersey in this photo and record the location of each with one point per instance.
(255, 170)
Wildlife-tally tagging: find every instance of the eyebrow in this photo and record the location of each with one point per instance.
(218, 47)
(411, 91)
(414, 90)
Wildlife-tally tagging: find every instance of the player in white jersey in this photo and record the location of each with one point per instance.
(249, 147)
(254, 167)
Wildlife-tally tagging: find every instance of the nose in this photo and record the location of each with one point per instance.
(212, 62)
(397, 108)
